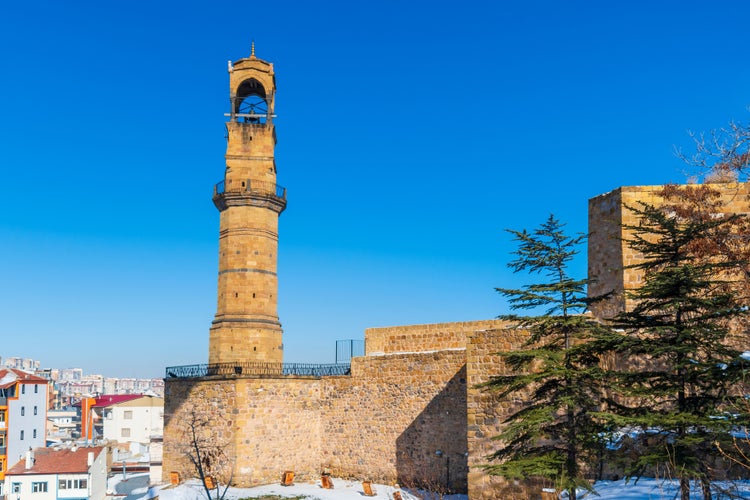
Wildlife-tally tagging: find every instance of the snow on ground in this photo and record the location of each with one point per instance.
(136, 488)
(342, 490)
(658, 489)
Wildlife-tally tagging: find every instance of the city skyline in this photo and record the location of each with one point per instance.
(410, 136)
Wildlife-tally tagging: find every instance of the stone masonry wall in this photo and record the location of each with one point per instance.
(486, 412)
(278, 428)
(421, 338)
(605, 249)
(273, 424)
(608, 251)
(206, 399)
(388, 420)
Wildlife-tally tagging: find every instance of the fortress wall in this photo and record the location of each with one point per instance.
(278, 428)
(421, 338)
(270, 425)
(608, 252)
(385, 422)
(205, 399)
(389, 418)
(605, 249)
(486, 412)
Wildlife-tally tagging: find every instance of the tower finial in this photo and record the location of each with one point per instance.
(252, 49)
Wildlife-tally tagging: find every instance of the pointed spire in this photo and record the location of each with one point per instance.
(252, 49)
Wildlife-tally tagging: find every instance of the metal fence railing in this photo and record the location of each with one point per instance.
(347, 349)
(252, 368)
(252, 186)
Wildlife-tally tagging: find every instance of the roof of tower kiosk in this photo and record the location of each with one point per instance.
(253, 62)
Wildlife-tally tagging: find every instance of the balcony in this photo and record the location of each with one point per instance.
(250, 193)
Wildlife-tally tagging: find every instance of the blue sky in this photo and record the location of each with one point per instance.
(410, 135)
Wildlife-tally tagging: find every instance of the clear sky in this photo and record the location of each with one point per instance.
(410, 134)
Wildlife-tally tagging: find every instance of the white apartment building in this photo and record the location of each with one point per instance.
(61, 424)
(131, 418)
(23, 415)
(135, 421)
(58, 474)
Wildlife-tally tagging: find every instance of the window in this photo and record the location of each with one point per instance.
(125, 432)
(2, 441)
(15, 487)
(35, 408)
(36, 389)
(34, 436)
(21, 435)
(23, 411)
(23, 389)
(128, 415)
(39, 487)
(72, 484)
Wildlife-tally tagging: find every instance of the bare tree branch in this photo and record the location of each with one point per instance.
(722, 155)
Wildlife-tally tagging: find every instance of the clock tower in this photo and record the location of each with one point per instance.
(246, 327)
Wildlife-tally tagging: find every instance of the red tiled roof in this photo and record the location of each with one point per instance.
(11, 376)
(51, 461)
(113, 399)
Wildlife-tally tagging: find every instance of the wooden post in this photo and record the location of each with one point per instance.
(287, 479)
(549, 494)
(367, 488)
(326, 482)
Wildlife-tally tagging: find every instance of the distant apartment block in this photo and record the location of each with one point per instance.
(25, 364)
(94, 385)
(69, 385)
(23, 415)
(71, 374)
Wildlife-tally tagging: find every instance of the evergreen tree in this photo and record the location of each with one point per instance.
(556, 435)
(676, 368)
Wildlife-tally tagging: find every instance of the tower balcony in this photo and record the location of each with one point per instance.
(250, 193)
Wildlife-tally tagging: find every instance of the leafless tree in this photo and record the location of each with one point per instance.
(206, 448)
(721, 155)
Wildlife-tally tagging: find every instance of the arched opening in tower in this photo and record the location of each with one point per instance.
(250, 104)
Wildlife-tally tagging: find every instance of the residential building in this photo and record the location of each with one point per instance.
(59, 474)
(25, 364)
(71, 374)
(125, 418)
(23, 415)
(61, 424)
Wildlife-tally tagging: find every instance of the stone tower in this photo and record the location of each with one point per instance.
(246, 327)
